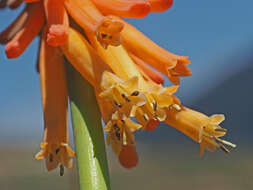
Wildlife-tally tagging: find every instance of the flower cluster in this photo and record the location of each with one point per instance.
(124, 66)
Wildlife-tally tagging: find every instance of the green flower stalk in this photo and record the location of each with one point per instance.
(88, 133)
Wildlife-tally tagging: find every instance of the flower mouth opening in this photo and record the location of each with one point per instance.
(108, 32)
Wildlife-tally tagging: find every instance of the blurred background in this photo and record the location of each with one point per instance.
(218, 38)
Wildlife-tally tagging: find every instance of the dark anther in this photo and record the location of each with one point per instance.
(117, 135)
(110, 37)
(135, 93)
(122, 121)
(57, 151)
(103, 35)
(155, 106)
(118, 104)
(116, 127)
(61, 170)
(51, 157)
(126, 98)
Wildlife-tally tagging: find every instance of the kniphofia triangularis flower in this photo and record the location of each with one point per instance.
(123, 65)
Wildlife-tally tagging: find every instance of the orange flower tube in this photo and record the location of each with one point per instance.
(57, 22)
(141, 46)
(160, 5)
(24, 37)
(123, 8)
(55, 149)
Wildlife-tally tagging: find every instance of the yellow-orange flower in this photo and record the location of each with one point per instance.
(118, 61)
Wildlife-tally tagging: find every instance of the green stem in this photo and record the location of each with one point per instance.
(88, 133)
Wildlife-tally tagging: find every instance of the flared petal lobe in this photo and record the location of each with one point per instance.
(199, 127)
(106, 28)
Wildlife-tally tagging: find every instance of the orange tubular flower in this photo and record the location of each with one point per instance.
(114, 57)
(162, 60)
(30, 29)
(55, 147)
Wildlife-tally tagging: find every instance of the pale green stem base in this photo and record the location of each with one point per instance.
(88, 133)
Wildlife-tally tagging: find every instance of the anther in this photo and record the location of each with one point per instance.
(51, 157)
(126, 98)
(103, 35)
(61, 170)
(57, 151)
(155, 106)
(116, 127)
(222, 147)
(117, 135)
(176, 107)
(225, 142)
(135, 93)
(118, 104)
(220, 130)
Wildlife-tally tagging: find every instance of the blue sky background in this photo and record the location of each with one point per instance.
(209, 32)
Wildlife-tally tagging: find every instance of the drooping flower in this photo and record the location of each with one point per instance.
(118, 61)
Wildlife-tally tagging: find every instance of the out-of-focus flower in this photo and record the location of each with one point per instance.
(118, 61)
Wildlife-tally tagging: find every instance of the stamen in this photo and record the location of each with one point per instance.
(57, 150)
(61, 170)
(175, 106)
(126, 98)
(155, 106)
(145, 116)
(226, 142)
(124, 138)
(220, 130)
(222, 147)
(118, 104)
(135, 93)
